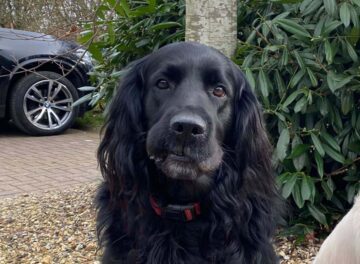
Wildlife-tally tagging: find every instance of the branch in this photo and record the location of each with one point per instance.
(343, 169)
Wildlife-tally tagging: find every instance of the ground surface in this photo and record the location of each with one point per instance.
(35, 164)
(59, 227)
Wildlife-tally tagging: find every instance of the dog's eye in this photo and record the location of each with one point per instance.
(219, 91)
(162, 84)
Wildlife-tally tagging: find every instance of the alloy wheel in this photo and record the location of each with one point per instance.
(47, 104)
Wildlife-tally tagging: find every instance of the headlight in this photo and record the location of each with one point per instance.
(84, 55)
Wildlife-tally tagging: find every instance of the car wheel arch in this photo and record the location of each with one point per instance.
(76, 77)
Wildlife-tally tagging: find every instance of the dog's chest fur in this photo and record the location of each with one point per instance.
(153, 240)
(181, 242)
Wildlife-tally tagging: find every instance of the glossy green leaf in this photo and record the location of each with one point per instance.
(82, 100)
(336, 81)
(357, 2)
(337, 121)
(291, 98)
(319, 28)
(319, 164)
(286, 1)
(323, 107)
(306, 187)
(297, 77)
(317, 214)
(250, 78)
(331, 184)
(142, 43)
(282, 178)
(345, 13)
(265, 28)
(312, 189)
(293, 27)
(251, 37)
(329, 52)
(122, 8)
(312, 7)
(282, 144)
(318, 146)
(296, 194)
(85, 36)
(328, 28)
(165, 25)
(299, 60)
(328, 192)
(280, 116)
(313, 79)
(95, 51)
(305, 4)
(352, 53)
(284, 57)
(263, 83)
(330, 140)
(280, 85)
(347, 102)
(334, 154)
(298, 150)
(298, 153)
(119, 74)
(289, 186)
(354, 15)
(264, 57)
(300, 104)
(86, 88)
(330, 7)
(354, 36)
(247, 61)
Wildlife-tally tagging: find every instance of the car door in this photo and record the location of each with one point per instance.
(6, 65)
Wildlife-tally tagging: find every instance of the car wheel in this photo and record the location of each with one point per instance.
(41, 103)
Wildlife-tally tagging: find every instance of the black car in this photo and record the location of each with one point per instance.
(39, 77)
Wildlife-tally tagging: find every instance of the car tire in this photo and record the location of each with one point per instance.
(41, 103)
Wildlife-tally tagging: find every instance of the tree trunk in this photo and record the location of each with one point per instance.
(212, 22)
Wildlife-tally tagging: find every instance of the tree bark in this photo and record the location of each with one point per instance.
(213, 23)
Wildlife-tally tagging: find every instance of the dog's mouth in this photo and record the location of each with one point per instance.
(185, 167)
(180, 167)
(159, 158)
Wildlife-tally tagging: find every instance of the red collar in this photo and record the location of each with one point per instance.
(183, 213)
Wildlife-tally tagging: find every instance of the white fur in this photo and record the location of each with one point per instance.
(342, 246)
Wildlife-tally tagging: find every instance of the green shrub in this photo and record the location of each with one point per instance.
(302, 59)
(127, 30)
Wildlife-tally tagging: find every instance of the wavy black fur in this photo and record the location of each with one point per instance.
(240, 219)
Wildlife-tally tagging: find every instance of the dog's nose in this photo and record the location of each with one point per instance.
(188, 125)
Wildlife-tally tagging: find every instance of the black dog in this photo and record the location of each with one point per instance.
(186, 163)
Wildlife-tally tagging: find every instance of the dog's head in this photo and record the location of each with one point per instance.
(183, 109)
(188, 94)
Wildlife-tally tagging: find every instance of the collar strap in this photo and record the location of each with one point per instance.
(177, 212)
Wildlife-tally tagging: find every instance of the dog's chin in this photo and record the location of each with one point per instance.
(179, 168)
(187, 169)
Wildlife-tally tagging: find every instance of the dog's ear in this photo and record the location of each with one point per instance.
(252, 150)
(120, 151)
(249, 175)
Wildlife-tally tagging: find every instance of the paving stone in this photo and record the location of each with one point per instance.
(36, 164)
